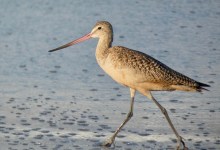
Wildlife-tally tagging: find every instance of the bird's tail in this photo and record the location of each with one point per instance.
(201, 86)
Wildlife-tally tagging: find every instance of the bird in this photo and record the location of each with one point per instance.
(139, 72)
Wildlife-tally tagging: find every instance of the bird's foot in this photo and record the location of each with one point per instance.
(108, 142)
(181, 144)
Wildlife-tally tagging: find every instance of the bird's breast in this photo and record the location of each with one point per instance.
(122, 75)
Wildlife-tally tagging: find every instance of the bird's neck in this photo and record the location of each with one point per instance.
(102, 49)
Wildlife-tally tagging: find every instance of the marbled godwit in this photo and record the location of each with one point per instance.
(138, 71)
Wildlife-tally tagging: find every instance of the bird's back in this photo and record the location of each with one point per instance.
(152, 70)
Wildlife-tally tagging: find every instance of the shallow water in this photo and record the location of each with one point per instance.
(63, 100)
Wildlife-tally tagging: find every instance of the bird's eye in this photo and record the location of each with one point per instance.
(99, 28)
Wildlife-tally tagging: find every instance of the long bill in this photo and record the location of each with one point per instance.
(85, 37)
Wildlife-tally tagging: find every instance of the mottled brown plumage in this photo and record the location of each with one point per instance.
(138, 71)
(154, 70)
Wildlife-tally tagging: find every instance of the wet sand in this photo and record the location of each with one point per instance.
(63, 100)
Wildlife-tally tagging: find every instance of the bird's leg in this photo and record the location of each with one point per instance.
(111, 140)
(164, 111)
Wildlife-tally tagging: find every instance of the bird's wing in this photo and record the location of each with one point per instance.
(153, 70)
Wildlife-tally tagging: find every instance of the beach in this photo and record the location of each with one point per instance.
(65, 101)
